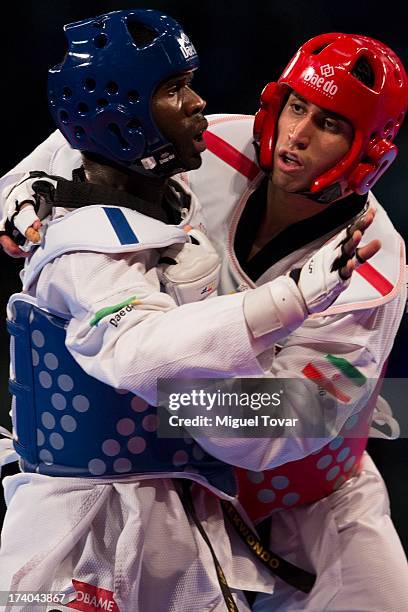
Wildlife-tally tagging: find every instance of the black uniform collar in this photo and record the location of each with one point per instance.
(293, 237)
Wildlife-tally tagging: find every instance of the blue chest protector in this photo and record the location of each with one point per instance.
(67, 423)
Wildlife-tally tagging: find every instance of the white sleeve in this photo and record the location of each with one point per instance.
(130, 348)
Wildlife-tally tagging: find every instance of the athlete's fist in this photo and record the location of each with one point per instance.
(328, 272)
(24, 204)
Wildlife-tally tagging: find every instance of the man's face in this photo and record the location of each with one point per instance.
(177, 111)
(310, 140)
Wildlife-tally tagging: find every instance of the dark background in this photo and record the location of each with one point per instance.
(242, 44)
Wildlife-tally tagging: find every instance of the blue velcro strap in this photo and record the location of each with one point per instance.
(121, 226)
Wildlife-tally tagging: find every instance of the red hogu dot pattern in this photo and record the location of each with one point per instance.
(309, 479)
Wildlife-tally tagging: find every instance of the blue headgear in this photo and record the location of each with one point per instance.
(100, 95)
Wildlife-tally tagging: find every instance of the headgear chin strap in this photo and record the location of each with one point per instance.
(100, 95)
(322, 72)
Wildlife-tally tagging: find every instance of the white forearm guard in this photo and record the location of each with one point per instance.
(190, 272)
(276, 307)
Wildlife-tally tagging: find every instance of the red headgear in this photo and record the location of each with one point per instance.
(321, 72)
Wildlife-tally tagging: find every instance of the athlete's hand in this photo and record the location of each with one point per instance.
(328, 271)
(20, 223)
(27, 222)
(11, 248)
(353, 256)
(34, 193)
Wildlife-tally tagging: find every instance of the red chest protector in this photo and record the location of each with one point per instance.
(311, 478)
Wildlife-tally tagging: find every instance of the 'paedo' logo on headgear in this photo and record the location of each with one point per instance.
(329, 88)
(186, 46)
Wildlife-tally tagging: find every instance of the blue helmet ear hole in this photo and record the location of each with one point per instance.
(100, 41)
(114, 129)
(101, 104)
(82, 108)
(64, 117)
(79, 132)
(133, 125)
(112, 88)
(133, 96)
(90, 84)
(141, 34)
